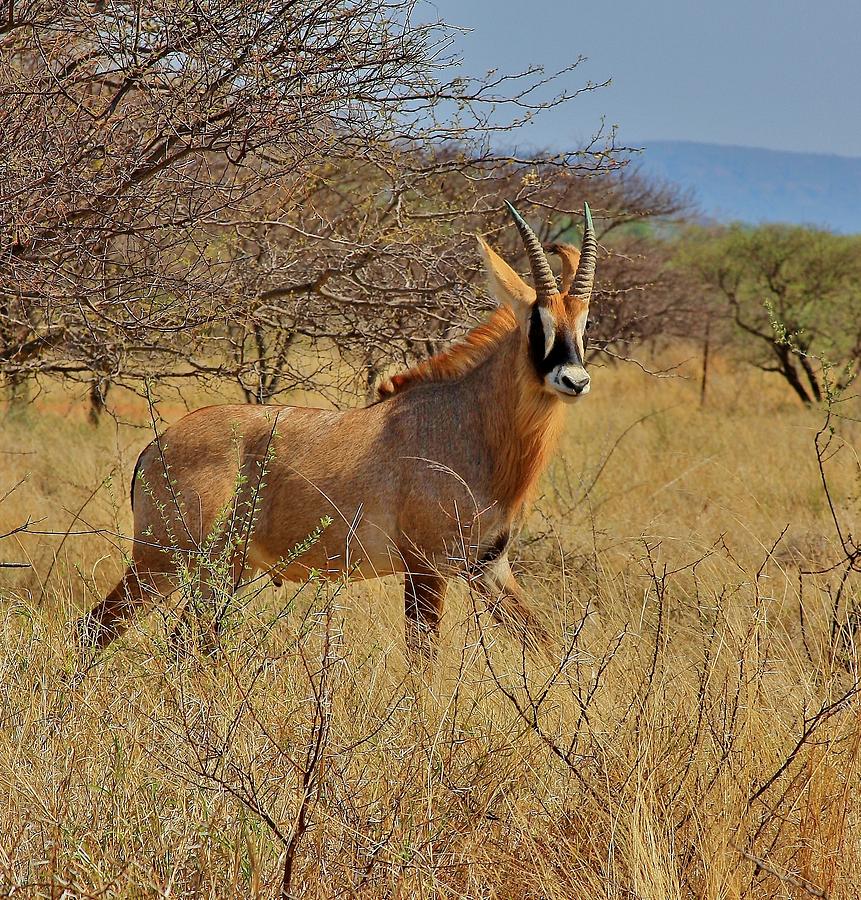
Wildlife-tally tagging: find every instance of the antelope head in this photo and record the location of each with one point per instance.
(553, 319)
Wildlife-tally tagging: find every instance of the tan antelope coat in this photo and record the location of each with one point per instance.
(431, 481)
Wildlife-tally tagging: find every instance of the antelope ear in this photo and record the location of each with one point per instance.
(570, 257)
(507, 287)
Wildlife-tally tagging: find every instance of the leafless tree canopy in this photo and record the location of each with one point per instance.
(190, 189)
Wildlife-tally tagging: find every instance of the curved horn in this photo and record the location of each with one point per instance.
(542, 274)
(585, 277)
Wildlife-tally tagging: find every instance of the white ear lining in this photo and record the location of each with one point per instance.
(506, 286)
(548, 325)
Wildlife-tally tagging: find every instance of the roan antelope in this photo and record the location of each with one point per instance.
(431, 481)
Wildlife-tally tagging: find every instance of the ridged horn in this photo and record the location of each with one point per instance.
(542, 274)
(585, 277)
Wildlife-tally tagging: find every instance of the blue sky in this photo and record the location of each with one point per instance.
(762, 73)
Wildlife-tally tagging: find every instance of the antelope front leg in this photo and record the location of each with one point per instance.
(495, 581)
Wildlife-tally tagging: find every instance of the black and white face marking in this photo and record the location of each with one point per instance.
(556, 355)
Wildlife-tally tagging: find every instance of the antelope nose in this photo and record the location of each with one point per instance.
(576, 386)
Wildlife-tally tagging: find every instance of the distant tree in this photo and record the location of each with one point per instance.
(793, 295)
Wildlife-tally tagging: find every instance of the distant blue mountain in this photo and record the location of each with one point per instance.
(753, 185)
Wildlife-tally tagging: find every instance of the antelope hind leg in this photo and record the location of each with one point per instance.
(207, 612)
(108, 620)
(424, 593)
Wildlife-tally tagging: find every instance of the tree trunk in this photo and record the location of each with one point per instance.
(812, 377)
(99, 387)
(706, 348)
(372, 372)
(18, 392)
(790, 373)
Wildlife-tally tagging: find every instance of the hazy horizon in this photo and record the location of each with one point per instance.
(646, 143)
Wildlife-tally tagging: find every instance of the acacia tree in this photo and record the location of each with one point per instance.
(195, 190)
(792, 294)
(140, 143)
(386, 282)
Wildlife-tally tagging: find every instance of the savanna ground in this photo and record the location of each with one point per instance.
(695, 736)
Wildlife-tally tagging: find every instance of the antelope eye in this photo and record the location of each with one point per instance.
(588, 325)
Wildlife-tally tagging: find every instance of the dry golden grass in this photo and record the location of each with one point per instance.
(644, 767)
